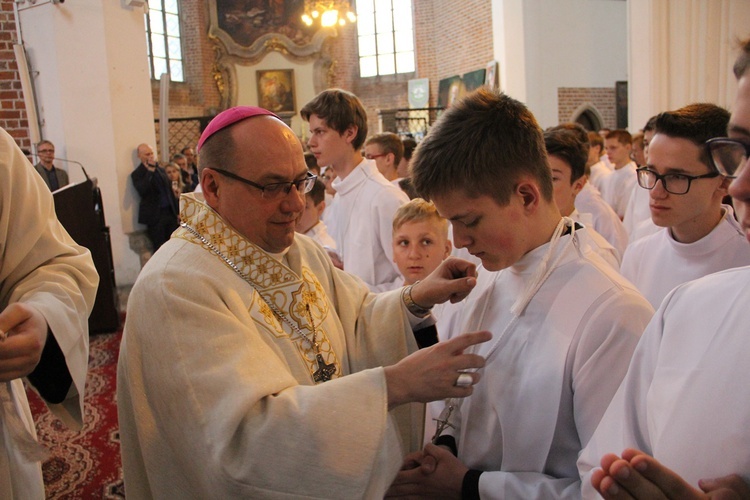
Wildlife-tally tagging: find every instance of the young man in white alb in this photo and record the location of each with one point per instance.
(566, 153)
(618, 186)
(637, 219)
(700, 236)
(310, 223)
(386, 150)
(563, 324)
(362, 211)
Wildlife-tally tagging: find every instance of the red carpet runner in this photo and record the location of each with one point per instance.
(85, 464)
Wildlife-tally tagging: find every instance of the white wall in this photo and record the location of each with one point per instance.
(247, 87)
(563, 43)
(95, 104)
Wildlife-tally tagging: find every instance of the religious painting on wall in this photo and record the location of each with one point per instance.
(276, 90)
(448, 91)
(245, 21)
(473, 80)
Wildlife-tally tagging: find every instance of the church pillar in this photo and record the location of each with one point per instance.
(90, 70)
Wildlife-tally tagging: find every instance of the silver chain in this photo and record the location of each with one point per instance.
(273, 307)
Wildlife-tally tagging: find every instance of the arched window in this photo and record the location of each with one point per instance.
(385, 32)
(163, 39)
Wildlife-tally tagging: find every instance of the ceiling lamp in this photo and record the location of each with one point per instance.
(328, 12)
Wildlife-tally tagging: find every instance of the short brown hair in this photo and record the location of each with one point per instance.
(340, 110)
(595, 140)
(622, 136)
(418, 210)
(482, 145)
(389, 143)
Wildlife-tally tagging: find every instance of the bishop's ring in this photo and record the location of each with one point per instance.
(464, 380)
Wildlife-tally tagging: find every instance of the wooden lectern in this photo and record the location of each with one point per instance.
(79, 208)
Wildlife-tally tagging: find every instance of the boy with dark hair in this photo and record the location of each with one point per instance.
(618, 186)
(567, 161)
(563, 324)
(310, 223)
(362, 211)
(637, 218)
(700, 236)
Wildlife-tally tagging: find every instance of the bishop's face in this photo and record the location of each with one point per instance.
(268, 222)
(739, 128)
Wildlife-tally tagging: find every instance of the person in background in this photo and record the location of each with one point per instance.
(158, 208)
(386, 150)
(618, 186)
(310, 223)
(192, 167)
(403, 166)
(189, 179)
(47, 289)
(53, 177)
(174, 175)
(362, 211)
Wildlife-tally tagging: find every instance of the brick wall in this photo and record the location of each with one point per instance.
(198, 95)
(451, 38)
(570, 99)
(12, 110)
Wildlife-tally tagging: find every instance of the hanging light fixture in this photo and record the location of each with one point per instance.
(328, 13)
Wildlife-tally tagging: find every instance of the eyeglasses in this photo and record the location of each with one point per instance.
(729, 156)
(46, 151)
(372, 157)
(672, 183)
(275, 189)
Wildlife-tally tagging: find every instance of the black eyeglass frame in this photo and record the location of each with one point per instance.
(718, 165)
(665, 184)
(308, 182)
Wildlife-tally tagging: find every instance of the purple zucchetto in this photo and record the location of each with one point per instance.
(229, 117)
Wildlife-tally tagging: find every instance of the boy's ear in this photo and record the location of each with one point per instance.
(320, 207)
(529, 193)
(448, 248)
(350, 133)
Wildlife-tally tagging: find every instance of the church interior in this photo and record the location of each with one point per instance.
(98, 78)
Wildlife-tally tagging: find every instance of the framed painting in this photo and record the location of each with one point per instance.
(473, 80)
(491, 75)
(448, 90)
(276, 90)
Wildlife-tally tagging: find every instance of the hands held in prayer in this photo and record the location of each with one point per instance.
(431, 473)
(453, 279)
(24, 331)
(431, 373)
(638, 475)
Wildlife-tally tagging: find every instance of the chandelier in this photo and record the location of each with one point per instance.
(328, 13)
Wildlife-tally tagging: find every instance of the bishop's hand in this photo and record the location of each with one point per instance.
(24, 333)
(432, 373)
(453, 279)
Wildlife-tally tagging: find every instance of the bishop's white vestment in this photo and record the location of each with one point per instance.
(43, 267)
(684, 399)
(550, 372)
(216, 395)
(362, 225)
(656, 264)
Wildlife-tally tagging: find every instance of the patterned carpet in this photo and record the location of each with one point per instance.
(86, 464)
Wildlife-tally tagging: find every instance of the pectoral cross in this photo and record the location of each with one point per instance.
(325, 370)
(443, 421)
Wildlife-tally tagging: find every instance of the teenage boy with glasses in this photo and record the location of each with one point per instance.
(700, 235)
